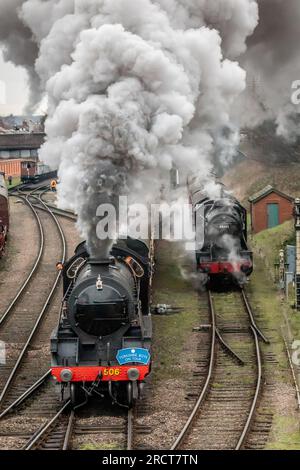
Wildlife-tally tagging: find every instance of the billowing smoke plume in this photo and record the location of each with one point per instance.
(273, 64)
(134, 87)
(234, 19)
(19, 47)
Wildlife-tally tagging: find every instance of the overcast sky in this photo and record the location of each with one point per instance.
(13, 88)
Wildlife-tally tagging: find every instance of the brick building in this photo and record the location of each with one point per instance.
(269, 208)
(18, 151)
(16, 167)
(11, 168)
(20, 145)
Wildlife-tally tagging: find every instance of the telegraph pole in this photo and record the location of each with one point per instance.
(281, 272)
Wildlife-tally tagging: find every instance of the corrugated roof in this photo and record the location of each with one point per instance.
(266, 191)
(21, 141)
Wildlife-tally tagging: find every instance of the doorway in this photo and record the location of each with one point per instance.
(273, 215)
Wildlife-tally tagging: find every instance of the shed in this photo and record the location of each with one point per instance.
(11, 167)
(269, 208)
(18, 167)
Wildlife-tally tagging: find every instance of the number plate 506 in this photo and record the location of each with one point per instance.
(111, 372)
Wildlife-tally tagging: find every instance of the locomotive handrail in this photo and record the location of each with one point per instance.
(69, 289)
(82, 262)
(135, 267)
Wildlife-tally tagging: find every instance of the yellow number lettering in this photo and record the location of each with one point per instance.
(111, 372)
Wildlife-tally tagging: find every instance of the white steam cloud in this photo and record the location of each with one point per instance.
(134, 87)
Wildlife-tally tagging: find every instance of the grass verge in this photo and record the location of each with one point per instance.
(273, 314)
(171, 331)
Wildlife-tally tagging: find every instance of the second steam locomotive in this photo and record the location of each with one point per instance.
(220, 224)
(102, 343)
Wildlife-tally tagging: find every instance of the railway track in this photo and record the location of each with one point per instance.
(224, 409)
(52, 426)
(41, 203)
(63, 429)
(25, 372)
(292, 369)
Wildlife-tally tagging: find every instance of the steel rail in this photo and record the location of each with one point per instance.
(68, 436)
(215, 334)
(61, 212)
(251, 413)
(28, 393)
(252, 320)
(40, 434)
(36, 263)
(256, 332)
(228, 349)
(62, 236)
(206, 386)
(15, 188)
(41, 314)
(292, 369)
(58, 212)
(130, 429)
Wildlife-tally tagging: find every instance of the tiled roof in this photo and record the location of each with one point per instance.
(268, 190)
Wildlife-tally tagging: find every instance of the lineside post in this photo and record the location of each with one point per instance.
(297, 228)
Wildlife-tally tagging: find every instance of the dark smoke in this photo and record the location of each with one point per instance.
(272, 61)
(19, 46)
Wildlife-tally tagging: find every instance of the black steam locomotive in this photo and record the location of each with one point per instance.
(102, 343)
(220, 224)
